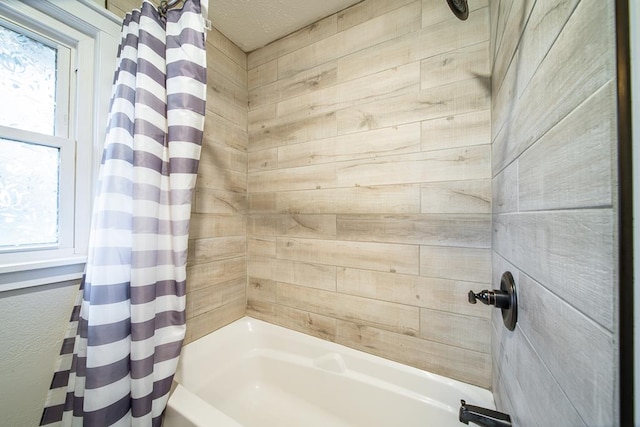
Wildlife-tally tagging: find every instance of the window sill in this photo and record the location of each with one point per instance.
(44, 272)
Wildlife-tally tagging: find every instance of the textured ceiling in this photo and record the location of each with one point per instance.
(251, 24)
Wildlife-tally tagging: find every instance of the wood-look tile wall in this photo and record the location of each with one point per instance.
(369, 183)
(554, 225)
(217, 266)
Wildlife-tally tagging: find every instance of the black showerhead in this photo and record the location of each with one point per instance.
(459, 8)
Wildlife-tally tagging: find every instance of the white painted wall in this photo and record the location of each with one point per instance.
(33, 322)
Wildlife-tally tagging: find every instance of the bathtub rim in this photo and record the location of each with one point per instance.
(255, 332)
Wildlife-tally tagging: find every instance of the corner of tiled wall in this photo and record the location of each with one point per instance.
(554, 225)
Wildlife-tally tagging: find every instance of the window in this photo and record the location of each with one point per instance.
(56, 67)
(35, 148)
(34, 74)
(29, 195)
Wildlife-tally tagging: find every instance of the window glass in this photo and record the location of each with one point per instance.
(29, 183)
(27, 83)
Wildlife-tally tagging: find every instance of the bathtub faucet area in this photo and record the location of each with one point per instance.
(483, 416)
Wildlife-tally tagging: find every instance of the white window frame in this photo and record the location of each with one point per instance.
(66, 199)
(92, 35)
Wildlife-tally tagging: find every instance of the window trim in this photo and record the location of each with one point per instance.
(94, 34)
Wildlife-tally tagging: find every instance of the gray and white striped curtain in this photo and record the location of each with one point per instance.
(118, 368)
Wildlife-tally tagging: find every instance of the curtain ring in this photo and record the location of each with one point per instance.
(162, 9)
(165, 5)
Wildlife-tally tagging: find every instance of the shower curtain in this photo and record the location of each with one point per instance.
(118, 367)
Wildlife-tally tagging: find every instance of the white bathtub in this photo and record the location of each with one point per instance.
(255, 374)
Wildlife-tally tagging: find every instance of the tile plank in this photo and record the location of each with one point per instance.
(205, 225)
(469, 264)
(395, 317)
(461, 130)
(304, 83)
(588, 362)
(574, 251)
(262, 75)
(372, 144)
(453, 329)
(389, 83)
(454, 362)
(366, 11)
(515, 358)
(216, 248)
(590, 25)
(382, 28)
(468, 163)
(459, 230)
(461, 64)
(270, 133)
(314, 226)
(443, 101)
(201, 276)
(199, 326)
(433, 40)
(472, 196)
(427, 292)
(303, 37)
(375, 256)
(296, 273)
(391, 199)
(219, 201)
(204, 300)
(571, 166)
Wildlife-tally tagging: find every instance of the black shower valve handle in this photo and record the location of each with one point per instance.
(472, 297)
(504, 298)
(496, 297)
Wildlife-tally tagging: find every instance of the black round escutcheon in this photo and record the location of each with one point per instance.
(510, 314)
